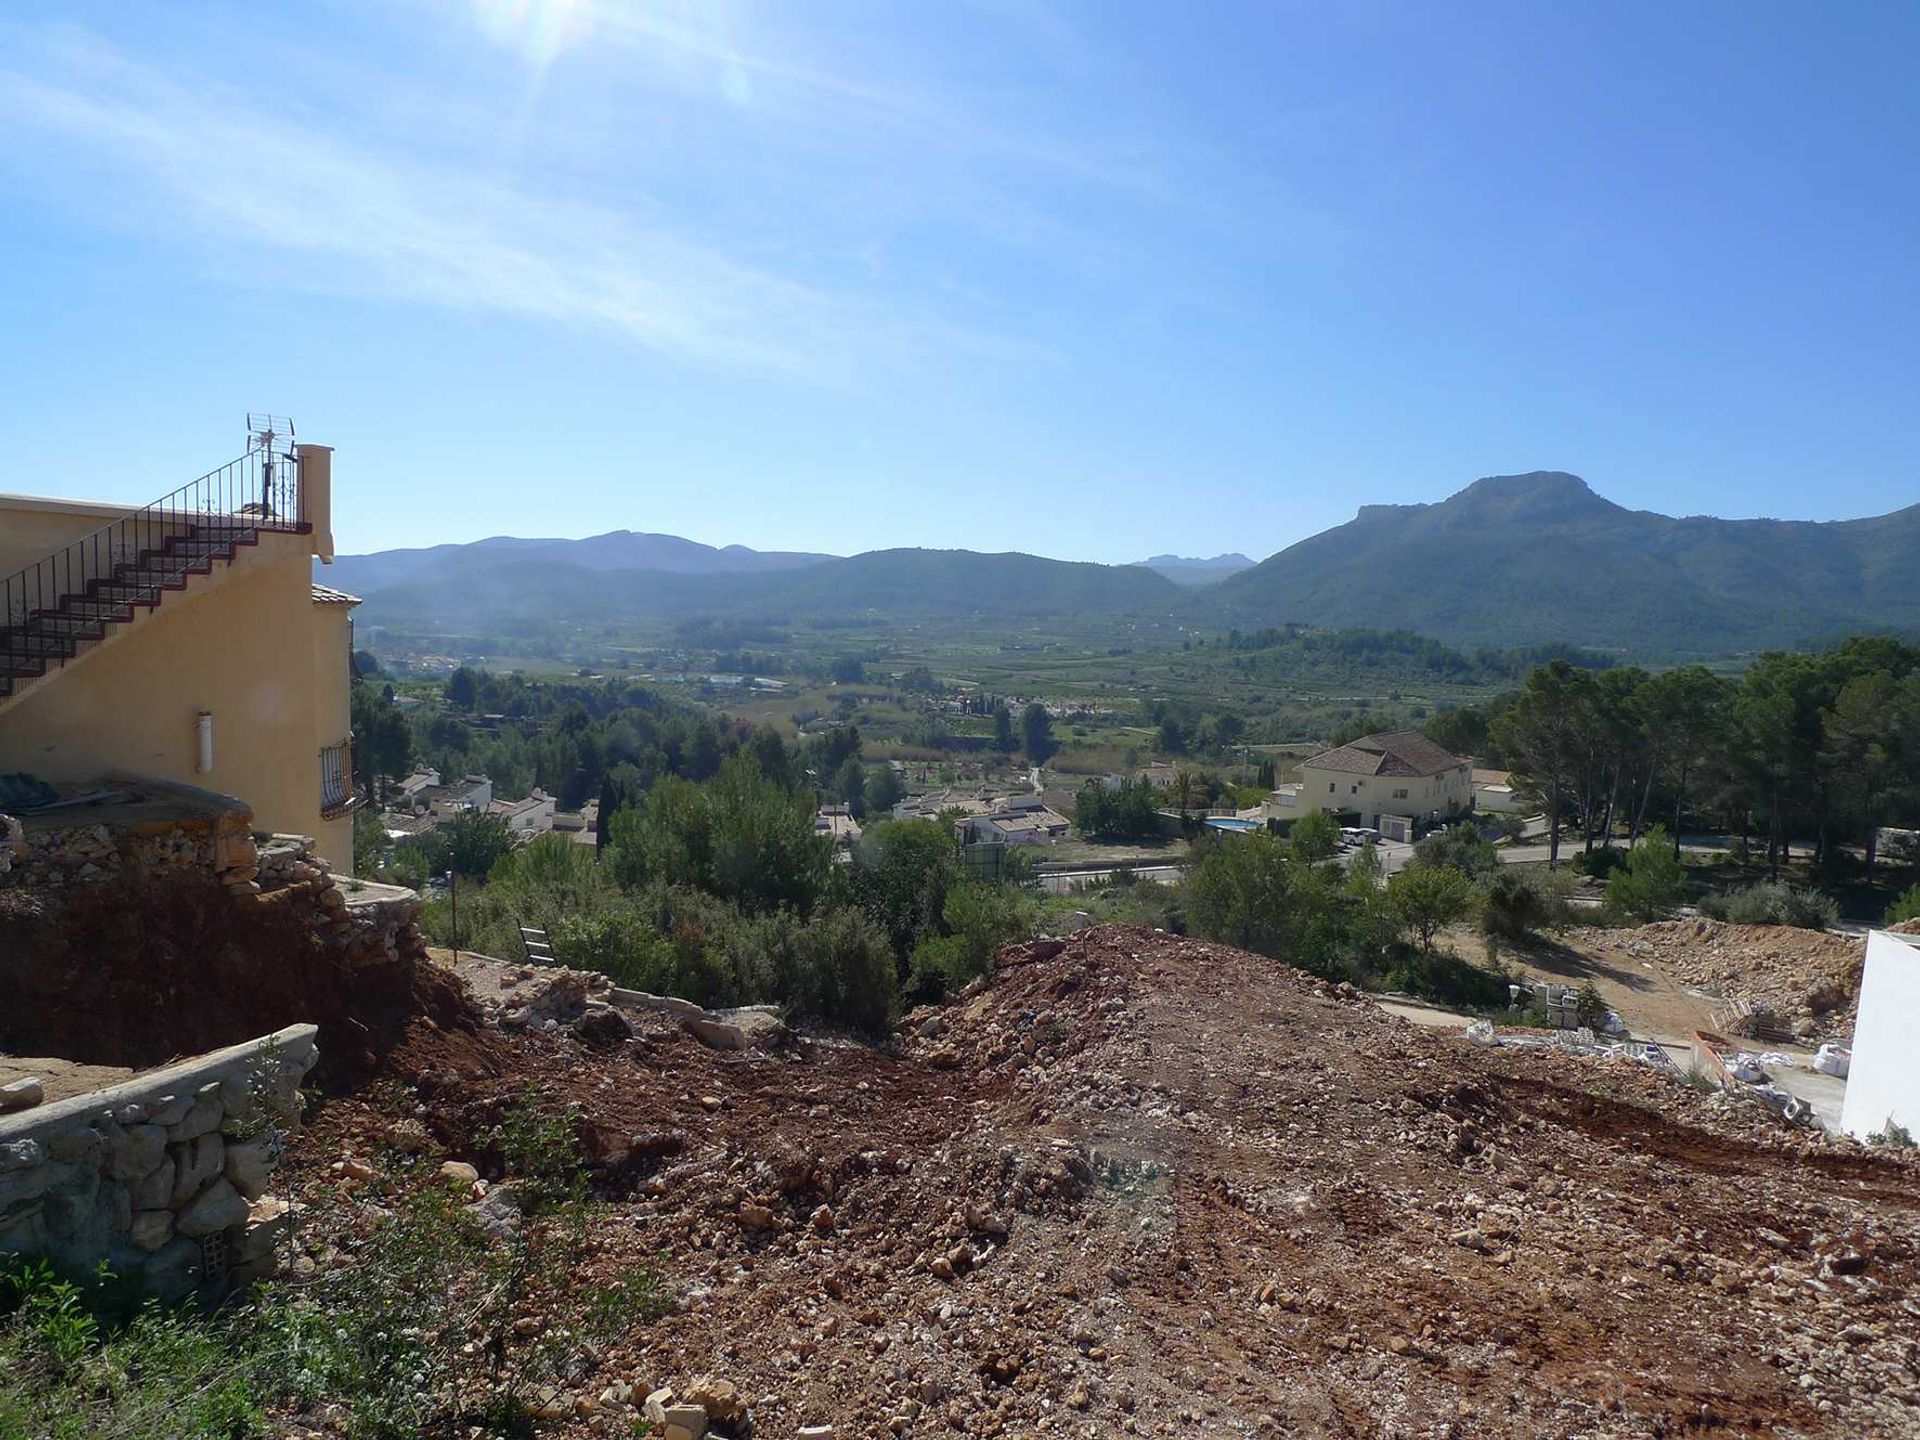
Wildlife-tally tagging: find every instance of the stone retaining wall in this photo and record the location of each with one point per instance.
(158, 1175)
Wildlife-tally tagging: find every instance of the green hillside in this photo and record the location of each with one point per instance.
(1528, 558)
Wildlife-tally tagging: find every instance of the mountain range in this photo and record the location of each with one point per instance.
(1509, 560)
(615, 550)
(1191, 570)
(1528, 558)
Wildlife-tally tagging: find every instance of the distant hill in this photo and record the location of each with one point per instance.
(1513, 560)
(615, 550)
(510, 588)
(1190, 570)
(1516, 559)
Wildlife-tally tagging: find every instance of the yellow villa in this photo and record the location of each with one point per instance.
(186, 641)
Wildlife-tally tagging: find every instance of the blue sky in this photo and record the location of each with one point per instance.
(1095, 281)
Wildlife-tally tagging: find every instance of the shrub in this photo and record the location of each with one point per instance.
(1314, 837)
(1895, 1135)
(838, 968)
(83, 1358)
(676, 947)
(1462, 848)
(1773, 903)
(1513, 905)
(1651, 884)
(979, 919)
(1446, 978)
(543, 1156)
(1428, 898)
(1252, 893)
(1599, 863)
(1905, 906)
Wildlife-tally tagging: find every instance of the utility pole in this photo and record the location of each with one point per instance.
(453, 905)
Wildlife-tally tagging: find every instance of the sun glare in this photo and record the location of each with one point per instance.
(538, 29)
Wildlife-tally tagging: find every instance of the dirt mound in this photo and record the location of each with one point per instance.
(1808, 979)
(137, 971)
(1143, 1184)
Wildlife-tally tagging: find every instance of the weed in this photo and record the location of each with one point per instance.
(1895, 1135)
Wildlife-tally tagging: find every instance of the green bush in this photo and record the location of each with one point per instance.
(1427, 898)
(77, 1362)
(1600, 863)
(677, 947)
(1445, 978)
(1314, 837)
(1905, 906)
(1460, 847)
(542, 1155)
(740, 836)
(1254, 894)
(1652, 883)
(839, 969)
(979, 919)
(1895, 1136)
(1514, 905)
(1771, 902)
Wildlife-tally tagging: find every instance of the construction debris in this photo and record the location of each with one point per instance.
(1142, 1184)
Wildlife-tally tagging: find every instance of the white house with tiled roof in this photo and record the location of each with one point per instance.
(1398, 773)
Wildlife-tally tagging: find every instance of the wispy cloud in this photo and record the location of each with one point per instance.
(208, 167)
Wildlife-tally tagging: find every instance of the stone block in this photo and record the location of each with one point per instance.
(22, 1094)
(113, 1207)
(654, 1408)
(82, 1145)
(68, 1209)
(169, 1109)
(196, 1164)
(137, 1152)
(248, 1165)
(151, 1229)
(154, 1191)
(21, 1155)
(176, 1269)
(202, 1117)
(216, 1208)
(270, 1222)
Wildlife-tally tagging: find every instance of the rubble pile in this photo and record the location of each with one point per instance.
(1138, 1184)
(1808, 979)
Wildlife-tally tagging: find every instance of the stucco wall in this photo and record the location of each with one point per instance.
(1883, 1079)
(33, 527)
(245, 643)
(1373, 794)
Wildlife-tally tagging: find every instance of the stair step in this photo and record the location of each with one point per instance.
(56, 622)
(56, 633)
(120, 590)
(167, 578)
(33, 641)
(88, 608)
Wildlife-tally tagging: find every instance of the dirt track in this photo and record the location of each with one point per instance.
(1148, 1185)
(1666, 979)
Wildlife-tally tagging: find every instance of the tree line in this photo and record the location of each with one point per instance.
(1821, 748)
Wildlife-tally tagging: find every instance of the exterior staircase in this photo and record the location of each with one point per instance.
(54, 609)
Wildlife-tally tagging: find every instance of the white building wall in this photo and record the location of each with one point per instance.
(1375, 795)
(1883, 1080)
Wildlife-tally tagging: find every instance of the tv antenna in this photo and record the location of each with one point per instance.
(271, 438)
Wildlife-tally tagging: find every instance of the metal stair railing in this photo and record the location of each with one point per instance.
(258, 492)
